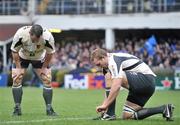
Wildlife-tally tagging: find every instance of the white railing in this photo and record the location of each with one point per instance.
(4, 52)
(76, 7)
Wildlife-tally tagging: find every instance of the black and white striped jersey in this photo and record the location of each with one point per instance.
(118, 62)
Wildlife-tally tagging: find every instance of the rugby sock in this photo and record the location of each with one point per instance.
(146, 112)
(47, 94)
(17, 94)
(111, 108)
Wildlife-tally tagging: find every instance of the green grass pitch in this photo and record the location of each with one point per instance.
(77, 107)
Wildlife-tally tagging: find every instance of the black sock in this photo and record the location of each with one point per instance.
(17, 94)
(146, 112)
(47, 94)
(111, 108)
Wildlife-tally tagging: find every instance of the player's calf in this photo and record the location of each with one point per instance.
(166, 110)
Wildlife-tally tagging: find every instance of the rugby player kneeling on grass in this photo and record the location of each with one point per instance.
(131, 73)
(32, 45)
(109, 114)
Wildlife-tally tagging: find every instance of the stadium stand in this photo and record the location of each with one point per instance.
(76, 54)
(73, 54)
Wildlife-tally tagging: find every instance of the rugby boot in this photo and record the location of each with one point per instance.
(51, 112)
(17, 111)
(106, 117)
(168, 112)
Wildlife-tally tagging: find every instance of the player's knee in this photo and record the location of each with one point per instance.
(17, 76)
(17, 80)
(127, 115)
(128, 112)
(46, 79)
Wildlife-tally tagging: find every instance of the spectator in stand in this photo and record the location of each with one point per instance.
(75, 54)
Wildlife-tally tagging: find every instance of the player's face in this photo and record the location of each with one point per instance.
(100, 62)
(34, 38)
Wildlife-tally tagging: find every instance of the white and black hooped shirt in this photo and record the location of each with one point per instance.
(118, 62)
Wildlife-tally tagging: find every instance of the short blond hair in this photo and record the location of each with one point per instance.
(98, 54)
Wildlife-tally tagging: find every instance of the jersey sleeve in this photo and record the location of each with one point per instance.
(115, 70)
(50, 44)
(17, 42)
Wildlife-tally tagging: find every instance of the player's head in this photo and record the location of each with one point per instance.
(99, 58)
(36, 32)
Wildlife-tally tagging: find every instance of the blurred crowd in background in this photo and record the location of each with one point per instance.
(76, 54)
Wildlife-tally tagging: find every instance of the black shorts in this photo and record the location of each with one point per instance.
(141, 87)
(25, 63)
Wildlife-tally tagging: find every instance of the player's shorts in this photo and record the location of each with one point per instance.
(25, 63)
(141, 87)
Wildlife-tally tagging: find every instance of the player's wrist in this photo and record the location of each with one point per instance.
(18, 66)
(45, 65)
(105, 105)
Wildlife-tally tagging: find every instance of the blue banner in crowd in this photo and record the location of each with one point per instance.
(3, 80)
(150, 44)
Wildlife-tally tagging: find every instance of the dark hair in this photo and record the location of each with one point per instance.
(36, 30)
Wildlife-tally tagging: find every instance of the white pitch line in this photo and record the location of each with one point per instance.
(55, 119)
(43, 120)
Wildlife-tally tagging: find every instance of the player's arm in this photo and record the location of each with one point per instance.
(116, 79)
(108, 81)
(15, 47)
(47, 61)
(16, 59)
(50, 50)
(45, 71)
(115, 87)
